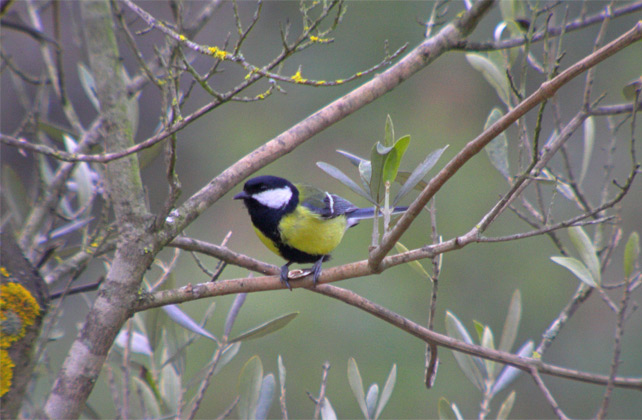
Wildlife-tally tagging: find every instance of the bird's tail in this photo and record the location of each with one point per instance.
(368, 213)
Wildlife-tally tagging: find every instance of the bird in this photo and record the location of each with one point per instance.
(300, 223)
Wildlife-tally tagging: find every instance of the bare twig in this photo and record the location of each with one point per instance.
(547, 394)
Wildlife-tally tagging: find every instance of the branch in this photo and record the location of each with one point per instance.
(545, 91)
(429, 336)
(135, 249)
(413, 62)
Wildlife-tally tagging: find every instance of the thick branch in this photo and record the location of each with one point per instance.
(135, 249)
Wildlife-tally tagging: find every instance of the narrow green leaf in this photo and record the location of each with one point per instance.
(388, 387)
(177, 315)
(576, 267)
(282, 371)
(479, 329)
(265, 397)
(354, 159)
(632, 89)
(371, 399)
(474, 370)
(344, 179)
(356, 384)
(488, 341)
(266, 328)
(418, 173)
(88, 85)
(249, 388)
(365, 174)
(14, 192)
(149, 399)
(415, 265)
(587, 251)
(377, 161)
(448, 411)
(493, 74)
(510, 373)
(389, 136)
(497, 149)
(589, 143)
(506, 407)
(402, 178)
(631, 254)
(391, 165)
(228, 354)
(170, 387)
(81, 174)
(511, 324)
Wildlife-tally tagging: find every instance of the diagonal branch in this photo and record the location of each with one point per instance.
(546, 90)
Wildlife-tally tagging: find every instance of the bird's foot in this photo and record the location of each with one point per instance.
(285, 271)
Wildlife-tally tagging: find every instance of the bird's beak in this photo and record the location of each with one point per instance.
(241, 196)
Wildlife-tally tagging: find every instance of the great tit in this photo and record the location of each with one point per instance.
(300, 223)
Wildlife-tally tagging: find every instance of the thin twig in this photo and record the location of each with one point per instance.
(547, 394)
(324, 384)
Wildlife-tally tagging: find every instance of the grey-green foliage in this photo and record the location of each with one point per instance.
(383, 168)
(484, 374)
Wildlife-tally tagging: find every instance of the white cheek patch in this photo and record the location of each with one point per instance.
(274, 199)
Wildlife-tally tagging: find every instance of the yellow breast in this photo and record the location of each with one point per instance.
(306, 231)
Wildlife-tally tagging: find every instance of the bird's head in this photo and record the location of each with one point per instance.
(269, 191)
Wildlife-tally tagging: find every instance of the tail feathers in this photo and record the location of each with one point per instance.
(368, 213)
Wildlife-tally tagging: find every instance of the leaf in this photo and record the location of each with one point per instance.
(473, 368)
(589, 143)
(233, 312)
(14, 192)
(327, 412)
(631, 254)
(391, 165)
(488, 341)
(265, 397)
(402, 177)
(512, 9)
(506, 407)
(415, 265)
(632, 89)
(388, 387)
(139, 343)
(377, 161)
(343, 178)
(511, 324)
(448, 411)
(82, 175)
(371, 399)
(497, 149)
(492, 73)
(282, 371)
(576, 267)
(510, 373)
(585, 248)
(149, 399)
(228, 354)
(354, 159)
(418, 173)
(184, 320)
(389, 136)
(170, 387)
(356, 384)
(88, 85)
(250, 382)
(365, 174)
(266, 328)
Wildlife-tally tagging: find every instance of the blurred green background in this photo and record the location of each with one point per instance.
(445, 104)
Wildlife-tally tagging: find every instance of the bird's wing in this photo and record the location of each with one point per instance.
(323, 203)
